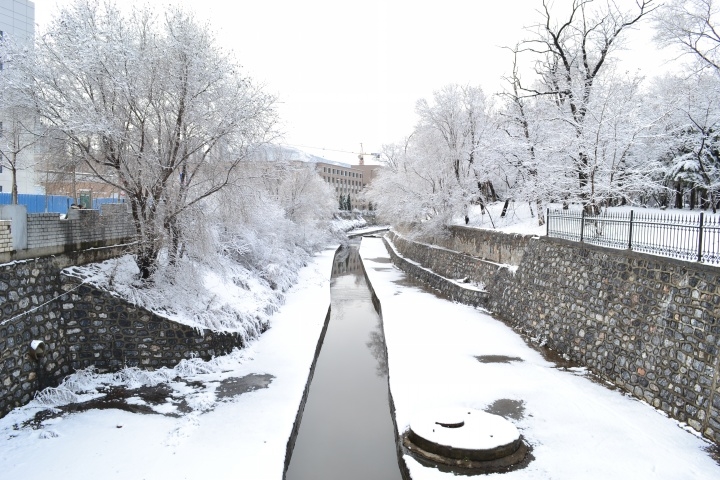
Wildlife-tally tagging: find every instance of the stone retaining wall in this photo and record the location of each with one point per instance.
(105, 331)
(446, 262)
(31, 297)
(650, 325)
(448, 289)
(82, 326)
(498, 247)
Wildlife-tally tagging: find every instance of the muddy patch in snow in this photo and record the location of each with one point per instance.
(161, 399)
(234, 386)
(144, 400)
(379, 260)
(507, 408)
(497, 359)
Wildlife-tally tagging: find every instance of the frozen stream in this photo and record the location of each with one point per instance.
(346, 429)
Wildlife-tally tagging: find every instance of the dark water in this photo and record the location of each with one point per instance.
(346, 430)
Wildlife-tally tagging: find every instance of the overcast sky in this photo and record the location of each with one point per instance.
(348, 73)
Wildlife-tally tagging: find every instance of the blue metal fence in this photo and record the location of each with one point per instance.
(694, 237)
(50, 203)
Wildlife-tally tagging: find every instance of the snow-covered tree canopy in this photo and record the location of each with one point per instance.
(573, 43)
(694, 27)
(153, 106)
(575, 129)
(444, 164)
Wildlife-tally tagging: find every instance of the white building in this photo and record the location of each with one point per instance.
(17, 18)
(17, 21)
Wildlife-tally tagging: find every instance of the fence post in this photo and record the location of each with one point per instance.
(547, 222)
(630, 237)
(700, 237)
(582, 225)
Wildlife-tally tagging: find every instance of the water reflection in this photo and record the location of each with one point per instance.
(346, 430)
(347, 261)
(377, 347)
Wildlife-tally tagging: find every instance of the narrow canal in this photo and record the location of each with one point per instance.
(346, 431)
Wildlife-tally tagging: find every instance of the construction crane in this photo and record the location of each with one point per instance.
(362, 154)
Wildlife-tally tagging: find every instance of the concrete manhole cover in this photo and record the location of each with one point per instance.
(466, 438)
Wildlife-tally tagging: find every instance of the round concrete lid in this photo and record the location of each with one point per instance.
(465, 429)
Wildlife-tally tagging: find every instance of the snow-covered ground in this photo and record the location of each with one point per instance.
(227, 418)
(521, 218)
(443, 355)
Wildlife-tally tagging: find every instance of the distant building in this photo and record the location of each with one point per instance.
(344, 178)
(17, 21)
(348, 179)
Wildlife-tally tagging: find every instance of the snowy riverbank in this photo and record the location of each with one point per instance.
(443, 354)
(227, 418)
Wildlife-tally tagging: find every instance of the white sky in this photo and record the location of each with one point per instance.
(350, 72)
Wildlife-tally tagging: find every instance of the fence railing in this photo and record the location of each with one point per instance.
(694, 237)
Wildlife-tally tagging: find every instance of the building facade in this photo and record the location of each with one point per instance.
(348, 180)
(17, 22)
(17, 19)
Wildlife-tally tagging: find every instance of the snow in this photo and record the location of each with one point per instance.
(211, 436)
(575, 427)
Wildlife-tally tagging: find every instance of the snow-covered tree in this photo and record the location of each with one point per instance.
(20, 130)
(619, 170)
(458, 128)
(690, 142)
(417, 187)
(573, 49)
(694, 27)
(526, 146)
(153, 106)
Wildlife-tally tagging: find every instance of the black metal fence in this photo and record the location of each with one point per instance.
(694, 237)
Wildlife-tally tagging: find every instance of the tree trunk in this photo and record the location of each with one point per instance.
(693, 198)
(541, 213)
(14, 188)
(678, 195)
(146, 258)
(505, 207)
(703, 199)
